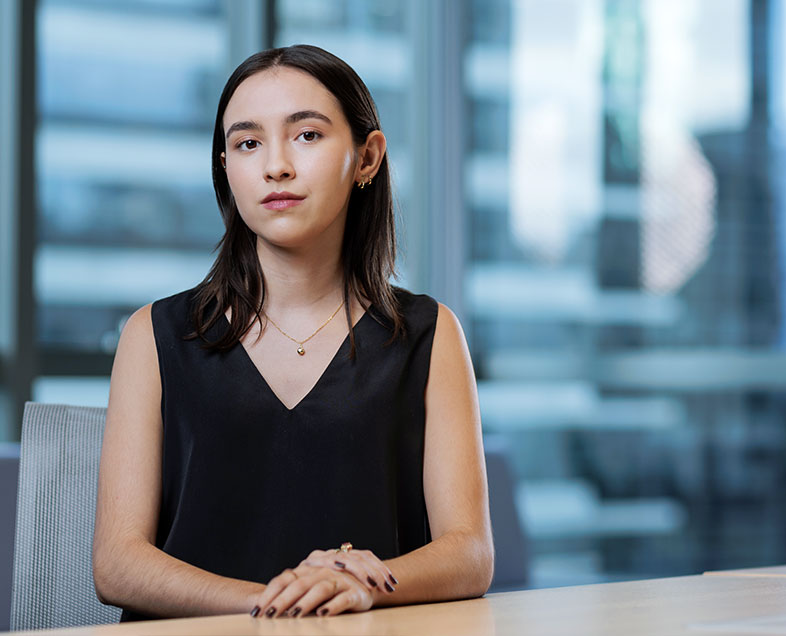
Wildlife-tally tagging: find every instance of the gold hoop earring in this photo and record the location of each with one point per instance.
(364, 182)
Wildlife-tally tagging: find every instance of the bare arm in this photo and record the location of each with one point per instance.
(459, 561)
(128, 569)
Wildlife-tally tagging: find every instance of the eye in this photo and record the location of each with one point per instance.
(309, 135)
(247, 144)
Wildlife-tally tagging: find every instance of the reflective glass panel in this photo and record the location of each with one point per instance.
(127, 94)
(623, 283)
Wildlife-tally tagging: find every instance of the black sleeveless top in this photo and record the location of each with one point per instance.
(250, 487)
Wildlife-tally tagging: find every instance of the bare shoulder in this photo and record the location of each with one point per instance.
(135, 370)
(137, 342)
(448, 323)
(139, 326)
(450, 372)
(450, 345)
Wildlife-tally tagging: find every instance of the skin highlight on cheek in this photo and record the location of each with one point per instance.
(349, 160)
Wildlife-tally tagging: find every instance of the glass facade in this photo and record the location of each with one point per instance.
(621, 228)
(624, 284)
(126, 207)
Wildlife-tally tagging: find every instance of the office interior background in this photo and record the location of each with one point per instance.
(595, 186)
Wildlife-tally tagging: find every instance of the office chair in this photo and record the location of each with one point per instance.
(58, 477)
(511, 558)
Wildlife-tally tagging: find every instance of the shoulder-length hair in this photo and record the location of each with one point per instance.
(368, 254)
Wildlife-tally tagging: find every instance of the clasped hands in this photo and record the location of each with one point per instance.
(327, 582)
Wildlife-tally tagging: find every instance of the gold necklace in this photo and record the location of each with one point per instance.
(300, 350)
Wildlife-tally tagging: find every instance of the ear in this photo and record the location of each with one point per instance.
(370, 155)
(224, 160)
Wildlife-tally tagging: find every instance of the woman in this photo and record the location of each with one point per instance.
(251, 433)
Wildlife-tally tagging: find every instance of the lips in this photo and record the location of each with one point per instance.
(278, 196)
(281, 200)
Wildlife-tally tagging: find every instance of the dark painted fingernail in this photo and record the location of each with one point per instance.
(322, 611)
(393, 580)
(295, 612)
(256, 610)
(389, 587)
(371, 581)
(270, 612)
(340, 564)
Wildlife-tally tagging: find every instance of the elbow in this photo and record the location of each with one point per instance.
(106, 572)
(483, 568)
(100, 593)
(102, 579)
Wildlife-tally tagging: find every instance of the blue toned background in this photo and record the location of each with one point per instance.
(595, 186)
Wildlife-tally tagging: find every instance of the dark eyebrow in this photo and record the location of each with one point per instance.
(307, 114)
(243, 125)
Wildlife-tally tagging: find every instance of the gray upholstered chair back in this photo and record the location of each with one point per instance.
(511, 559)
(58, 476)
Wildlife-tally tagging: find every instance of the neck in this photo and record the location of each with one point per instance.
(300, 279)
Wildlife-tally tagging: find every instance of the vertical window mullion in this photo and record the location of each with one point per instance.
(435, 222)
(18, 206)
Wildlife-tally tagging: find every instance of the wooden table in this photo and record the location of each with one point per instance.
(692, 605)
(775, 570)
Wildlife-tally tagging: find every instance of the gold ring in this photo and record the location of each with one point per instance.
(345, 547)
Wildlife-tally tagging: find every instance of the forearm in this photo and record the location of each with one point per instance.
(456, 565)
(141, 578)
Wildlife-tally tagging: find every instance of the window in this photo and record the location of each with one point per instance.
(622, 284)
(127, 212)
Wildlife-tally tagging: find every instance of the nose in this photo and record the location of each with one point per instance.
(278, 165)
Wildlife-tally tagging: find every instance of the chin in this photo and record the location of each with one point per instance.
(292, 233)
(288, 240)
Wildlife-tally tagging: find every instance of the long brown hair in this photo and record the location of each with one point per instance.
(368, 252)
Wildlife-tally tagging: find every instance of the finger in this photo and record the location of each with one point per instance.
(276, 585)
(379, 564)
(340, 561)
(289, 598)
(318, 594)
(384, 571)
(358, 567)
(377, 571)
(364, 565)
(342, 602)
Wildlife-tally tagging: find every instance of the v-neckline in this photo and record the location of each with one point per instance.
(266, 384)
